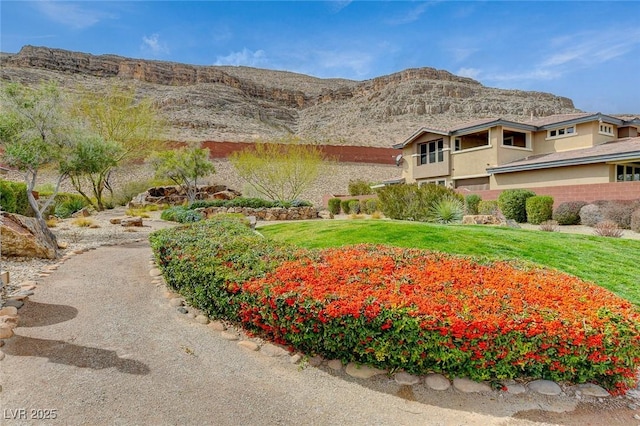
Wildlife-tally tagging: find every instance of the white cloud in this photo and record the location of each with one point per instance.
(337, 5)
(413, 14)
(153, 45)
(244, 57)
(74, 15)
(474, 73)
(574, 52)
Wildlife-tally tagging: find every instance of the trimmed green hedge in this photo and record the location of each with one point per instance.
(539, 209)
(513, 204)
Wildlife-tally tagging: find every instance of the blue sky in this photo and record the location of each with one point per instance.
(588, 51)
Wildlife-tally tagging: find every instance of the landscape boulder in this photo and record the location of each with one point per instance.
(21, 236)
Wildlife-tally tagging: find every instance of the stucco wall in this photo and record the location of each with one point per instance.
(575, 175)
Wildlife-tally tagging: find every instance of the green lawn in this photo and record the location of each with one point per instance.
(613, 263)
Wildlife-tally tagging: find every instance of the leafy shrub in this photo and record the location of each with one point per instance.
(254, 203)
(607, 228)
(344, 205)
(354, 206)
(471, 202)
(590, 215)
(334, 205)
(488, 207)
(181, 214)
(568, 213)
(512, 204)
(7, 197)
(369, 206)
(447, 210)
(549, 226)
(69, 206)
(539, 208)
(360, 187)
(635, 221)
(374, 305)
(619, 212)
(412, 202)
(207, 262)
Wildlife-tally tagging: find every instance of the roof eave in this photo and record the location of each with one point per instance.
(598, 116)
(485, 126)
(564, 163)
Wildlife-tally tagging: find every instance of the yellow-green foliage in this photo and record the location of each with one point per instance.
(84, 222)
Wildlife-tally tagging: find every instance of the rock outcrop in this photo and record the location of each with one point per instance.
(175, 195)
(242, 104)
(21, 236)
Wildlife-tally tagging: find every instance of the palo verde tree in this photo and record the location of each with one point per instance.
(34, 134)
(88, 162)
(184, 166)
(279, 170)
(129, 126)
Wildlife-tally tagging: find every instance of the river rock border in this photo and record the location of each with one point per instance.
(437, 382)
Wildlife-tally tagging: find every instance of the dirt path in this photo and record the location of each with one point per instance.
(97, 344)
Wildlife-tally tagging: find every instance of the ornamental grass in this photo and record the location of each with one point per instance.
(410, 309)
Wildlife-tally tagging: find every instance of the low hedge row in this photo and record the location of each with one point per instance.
(406, 309)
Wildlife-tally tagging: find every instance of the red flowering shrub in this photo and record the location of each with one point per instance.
(401, 308)
(422, 312)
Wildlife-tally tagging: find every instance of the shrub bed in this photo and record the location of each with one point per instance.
(403, 308)
(568, 213)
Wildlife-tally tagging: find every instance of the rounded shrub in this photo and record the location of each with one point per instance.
(370, 205)
(590, 215)
(635, 220)
(7, 197)
(488, 207)
(344, 205)
(412, 202)
(619, 212)
(334, 205)
(513, 204)
(568, 213)
(471, 202)
(359, 187)
(539, 209)
(354, 206)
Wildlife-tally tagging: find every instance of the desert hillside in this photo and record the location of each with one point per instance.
(241, 104)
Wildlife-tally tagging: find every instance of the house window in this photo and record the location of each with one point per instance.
(431, 152)
(514, 139)
(627, 172)
(606, 129)
(440, 182)
(470, 141)
(561, 132)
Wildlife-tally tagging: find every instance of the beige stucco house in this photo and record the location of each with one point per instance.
(497, 154)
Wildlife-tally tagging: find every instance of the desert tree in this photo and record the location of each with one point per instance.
(88, 162)
(34, 133)
(184, 166)
(280, 170)
(121, 120)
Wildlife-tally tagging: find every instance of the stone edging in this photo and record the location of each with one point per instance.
(433, 381)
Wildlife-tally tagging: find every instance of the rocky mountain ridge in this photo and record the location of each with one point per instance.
(241, 104)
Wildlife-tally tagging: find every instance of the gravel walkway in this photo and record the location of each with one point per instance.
(98, 344)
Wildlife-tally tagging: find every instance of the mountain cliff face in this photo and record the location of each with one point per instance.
(240, 104)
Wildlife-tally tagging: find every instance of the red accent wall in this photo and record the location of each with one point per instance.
(345, 154)
(588, 193)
